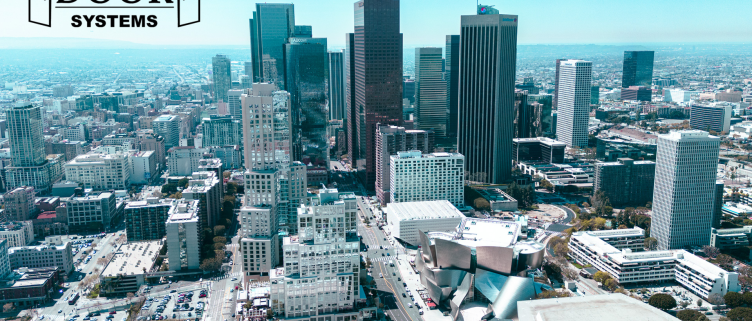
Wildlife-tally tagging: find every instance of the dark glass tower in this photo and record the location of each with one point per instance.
(351, 112)
(222, 76)
(378, 75)
(638, 69)
(430, 90)
(488, 56)
(305, 79)
(336, 84)
(272, 25)
(452, 66)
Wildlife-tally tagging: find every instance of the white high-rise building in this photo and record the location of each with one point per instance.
(685, 172)
(417, 177)
(323, 260)
(183, 228)
(168, 126)
(574, 83)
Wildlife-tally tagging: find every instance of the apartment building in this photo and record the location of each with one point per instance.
(17, 233)
(53, 252)
(205, 187)
(183, 227)
(100, 171)
(93, 210)
(144, 220)
(417, 177)
(18, 204)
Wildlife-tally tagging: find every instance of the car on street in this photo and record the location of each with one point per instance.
(60, 311)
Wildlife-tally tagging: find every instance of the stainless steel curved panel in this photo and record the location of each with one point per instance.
(425, 247)
(530, 254)
(495, 258)
(450, 278)
(451, 255)
(514, 289)
(459, 296)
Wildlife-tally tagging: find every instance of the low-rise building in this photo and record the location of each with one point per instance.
(498, 200)
(100, 171)
(406, 219)
(17, 233)
(93, 211)
(694, 273)
(626, 181)
(18, 204)
(129, 267)
(539, 149)
(27, 288)
(730, 238)
(52, 252)
(184, 235)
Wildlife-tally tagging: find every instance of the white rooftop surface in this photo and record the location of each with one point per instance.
(132, 258)
(611, 307)
(424, 210)
(619, 232)
(480, 232)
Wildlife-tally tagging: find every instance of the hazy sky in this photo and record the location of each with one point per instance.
(426, 22)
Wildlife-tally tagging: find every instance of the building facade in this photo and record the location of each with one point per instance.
(488, 57)
(539, 149)
(714, 116)
(53, 252)
(184, 236)
(168, 126)
(408, 218)
(94, 211)
(222, 130)
(625, 181)
(389, 141)
(638, 69)
(17, 233)
(685, 172)
(452, 75)
(271, 26)
(18, 204)
(205, 187)
(100, 171)
(336, 84)
(430, 91)
(573, 112)
(221, 76)
(29, 166)
(144, 220)
(417, 177)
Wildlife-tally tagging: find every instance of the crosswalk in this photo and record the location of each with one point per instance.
(225, 276)
(382, 259)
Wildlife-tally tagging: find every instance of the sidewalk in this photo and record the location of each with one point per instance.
(412, 279)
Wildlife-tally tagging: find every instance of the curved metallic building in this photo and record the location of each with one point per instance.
(483, 260)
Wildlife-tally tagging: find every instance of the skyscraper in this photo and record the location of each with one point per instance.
(488, 56)
(378, 75)
(222, 76)
(685, 185)
(574, 102)
(351, 114)
(389, 141)
(29, 166)
(305, 79)
(337, 84)
(233, 103)
(638, 69)
(452, 65)
(272, 25)
(556, 85)
(430, 91)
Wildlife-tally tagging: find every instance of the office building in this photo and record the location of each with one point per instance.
(29, 288)
(595, 94)
(144, 167)
(430, 91)
(638, 69)
(480, 261)
(17, 233)
(4, 260)
(221, 76)
(184, 160)
(266, 141)
(97, 211)
(322, 260)
(408, 90)
(378, 77)
(233, 103)
(685, 172)
(633, 93)
(260, 237)
(271, 26)
(29, 166)
(406, 219)
(538, 149)
(718, 204)
(452, 73)
(100, 171)
(730, 238)
(713, 116)
(127, 270)
(337, 84)
(144, 219)
(206, 187)
(488, 56)
(168, 126)
(527, 116)
(527, 84)
(573, 111)
(626, 181)
(18, 204)
(417, 177)
(293, 183)
(697, 275)
(351, 129)
(305, 80)
(389, 141)
(53, 252)
(184, 236)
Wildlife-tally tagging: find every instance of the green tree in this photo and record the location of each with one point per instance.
(716, 299)
(210, 265)
(546, 184)
(219, 230)
(662, 301)
(651, 243)
(183, 182)
(688, 315)
(747, 297)
(601, 277)
(231, 188)
(740, 314)
(220, 239)
(733, 299)
(168, 189)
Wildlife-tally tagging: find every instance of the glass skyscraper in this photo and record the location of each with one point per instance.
(378, 76)
(222, 76)
(305, 77)
(272, 25)
(336, 85)
(488, 57)
(430, 91)
(452, 65)
(638, 69)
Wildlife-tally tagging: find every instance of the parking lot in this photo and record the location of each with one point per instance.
(680, 294)
(175, 305)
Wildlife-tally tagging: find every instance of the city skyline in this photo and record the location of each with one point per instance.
(540, 23)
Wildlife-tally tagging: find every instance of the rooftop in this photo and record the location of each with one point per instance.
(424, 210)
(612, 307)
(133, 258)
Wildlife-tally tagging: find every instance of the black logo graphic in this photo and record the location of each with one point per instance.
(98, 13)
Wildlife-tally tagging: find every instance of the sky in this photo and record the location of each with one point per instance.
(423, 22)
